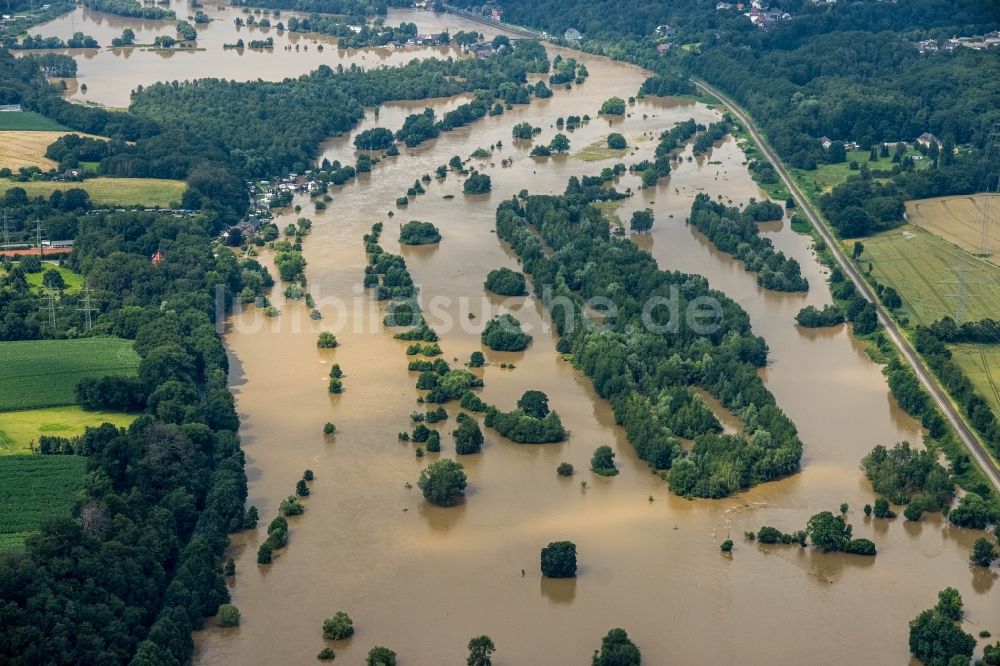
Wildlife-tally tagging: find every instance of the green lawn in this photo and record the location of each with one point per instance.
(981, 364)
(598, 151)
(74, 281)
(926, 272)
(34, 488)
(19, 429)
(609, 209)
(27, 121)
(111, 191)
(828, 176)
(44, 373)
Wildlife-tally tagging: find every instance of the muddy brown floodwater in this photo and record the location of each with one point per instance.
(422, 579)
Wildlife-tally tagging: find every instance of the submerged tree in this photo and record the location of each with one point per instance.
(558, 559)
(481, 648)
(442, 482)
(617, 649)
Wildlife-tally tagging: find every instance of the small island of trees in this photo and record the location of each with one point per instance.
(442, 482)
(617, 649)
(504, 333)
(338, 627)
(558, 560)
(812, 317)
(416, 232)
(524, 131)
(477, 183)
(505, 282)
(326, 340)
(828, 532)
(613, 107)
(603, 461)
(934, 636)
(531, 423)
(376, 138)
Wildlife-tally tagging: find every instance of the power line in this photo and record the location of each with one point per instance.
(87, 308)
(989, 184)
(40, 235)
(50, 307)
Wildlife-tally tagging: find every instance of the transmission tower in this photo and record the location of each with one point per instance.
(961, 293)
(40, 235)
(989, 185)
(50, 307)
(87, 308)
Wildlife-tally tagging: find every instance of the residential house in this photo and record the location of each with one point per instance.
(825, 142)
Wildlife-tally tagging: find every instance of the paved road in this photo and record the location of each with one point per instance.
(972, 443)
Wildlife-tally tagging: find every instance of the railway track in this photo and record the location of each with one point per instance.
(941, 399)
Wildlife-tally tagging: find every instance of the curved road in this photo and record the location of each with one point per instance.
(968, 437)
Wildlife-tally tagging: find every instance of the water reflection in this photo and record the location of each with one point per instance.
(558, 590)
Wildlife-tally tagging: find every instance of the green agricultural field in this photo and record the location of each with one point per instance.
(928, 274)
(34, 488)
(27, 121)
(981, 364)
(150, 192)
(44, 373)
(18, 430)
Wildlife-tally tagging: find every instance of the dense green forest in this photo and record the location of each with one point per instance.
(848, 71)
(649, 373)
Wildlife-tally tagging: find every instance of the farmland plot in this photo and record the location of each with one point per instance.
(34, 488)
(959, 220)
(933, 277)
(44, 373)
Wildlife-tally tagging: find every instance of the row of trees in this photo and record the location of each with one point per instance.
(130, 8)
(734, 231)
(827, 532)
(939, 358)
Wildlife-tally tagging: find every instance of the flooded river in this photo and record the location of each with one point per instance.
(422, 579)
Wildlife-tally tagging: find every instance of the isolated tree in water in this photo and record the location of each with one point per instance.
(559, 559)
(642, 221)
(442, 482)
(480, 649)
(617, 649)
